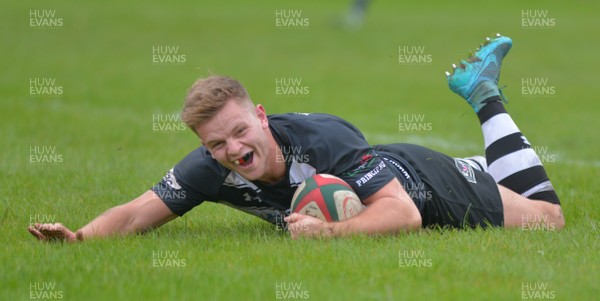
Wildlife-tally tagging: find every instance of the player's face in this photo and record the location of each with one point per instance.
(238, 137)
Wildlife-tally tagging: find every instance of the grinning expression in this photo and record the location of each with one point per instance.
(238, 137)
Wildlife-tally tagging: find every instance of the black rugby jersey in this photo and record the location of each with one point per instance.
(310, 144)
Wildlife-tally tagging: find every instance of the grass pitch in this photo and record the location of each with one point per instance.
(95, 132)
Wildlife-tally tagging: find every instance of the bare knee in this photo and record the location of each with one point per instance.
(528, 214)
(555, 215)
(548, 216)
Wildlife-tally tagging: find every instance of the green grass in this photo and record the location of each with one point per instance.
(102, 127)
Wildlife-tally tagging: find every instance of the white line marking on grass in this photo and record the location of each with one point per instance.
(581, 163)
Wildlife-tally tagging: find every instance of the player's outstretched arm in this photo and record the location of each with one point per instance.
(139, 215)
(389, 211)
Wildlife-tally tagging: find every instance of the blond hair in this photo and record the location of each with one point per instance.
(208, 96)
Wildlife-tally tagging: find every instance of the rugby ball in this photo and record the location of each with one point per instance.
(327, 198)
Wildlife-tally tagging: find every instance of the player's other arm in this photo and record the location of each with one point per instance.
(389, 211)
(144, 213)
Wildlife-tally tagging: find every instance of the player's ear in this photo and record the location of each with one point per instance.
(262, 115)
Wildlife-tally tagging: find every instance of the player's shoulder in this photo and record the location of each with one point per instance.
(326, 142)
(310, 125)
(303, 117)
(199, 167)
(200, 160)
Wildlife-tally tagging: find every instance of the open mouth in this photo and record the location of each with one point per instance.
(245, 160)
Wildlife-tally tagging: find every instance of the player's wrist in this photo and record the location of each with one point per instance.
(78, 236)
(335, 229)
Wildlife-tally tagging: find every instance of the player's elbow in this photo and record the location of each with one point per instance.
(410, 217)
(414, 221)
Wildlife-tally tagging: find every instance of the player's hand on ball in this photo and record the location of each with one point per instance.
(52, 232)
(308, 226)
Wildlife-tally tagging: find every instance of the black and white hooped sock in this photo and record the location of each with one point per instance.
(511, 160)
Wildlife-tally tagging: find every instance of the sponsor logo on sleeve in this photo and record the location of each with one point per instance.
(171, 180)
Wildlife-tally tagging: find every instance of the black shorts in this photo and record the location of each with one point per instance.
(450, 192)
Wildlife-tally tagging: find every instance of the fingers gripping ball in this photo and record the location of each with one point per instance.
(327, 198)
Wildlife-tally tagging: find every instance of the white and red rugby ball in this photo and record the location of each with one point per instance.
(327, 198)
